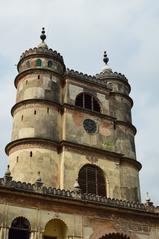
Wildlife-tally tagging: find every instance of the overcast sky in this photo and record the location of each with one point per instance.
(81, 30)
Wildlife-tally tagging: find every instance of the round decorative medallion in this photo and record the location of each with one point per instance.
(90, 126)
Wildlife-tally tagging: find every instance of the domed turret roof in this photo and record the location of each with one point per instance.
(41, 50)
(107, 71)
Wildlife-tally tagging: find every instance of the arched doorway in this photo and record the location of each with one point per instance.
(55, 229)
(20, 228)
(114, 236)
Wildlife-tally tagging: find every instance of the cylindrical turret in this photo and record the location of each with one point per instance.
(36, 116)
(120, 105)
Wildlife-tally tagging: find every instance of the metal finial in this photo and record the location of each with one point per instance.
(43, 36)
(147, 197)
(105, 58)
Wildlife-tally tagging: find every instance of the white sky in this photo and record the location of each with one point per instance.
(81, 30)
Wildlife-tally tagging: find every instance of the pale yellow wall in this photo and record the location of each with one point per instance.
(25, 168)
(81, 226)
(46, 123)
(47, 87)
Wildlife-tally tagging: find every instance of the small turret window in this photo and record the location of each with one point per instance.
(38, 62)
(28, 64)
(87, 101)
(91, 180)
(50, 63)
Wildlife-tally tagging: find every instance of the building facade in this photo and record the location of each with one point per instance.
(73, 171)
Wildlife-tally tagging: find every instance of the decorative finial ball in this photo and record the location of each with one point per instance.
(43, 36)
(105, 58)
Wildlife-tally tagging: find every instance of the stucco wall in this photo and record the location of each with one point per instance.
(25, 167)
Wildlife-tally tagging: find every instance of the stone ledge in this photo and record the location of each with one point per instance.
(74, 146)
(55, 193)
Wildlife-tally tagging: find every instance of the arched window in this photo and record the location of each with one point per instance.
(87, 101)
(50, 63)
(114, 236)
(20, 228)
(92, 180)
(38, 62)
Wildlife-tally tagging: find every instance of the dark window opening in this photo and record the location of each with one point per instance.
(79, 101)
(22, 117)
(114, 236)
(38, 77)
(96, 106)
(91, 180)
(46, 237)
(87, 101)
(34, 112)
(20, 228)
(50, 63)
(48, 110)
(31, 154)
(38, 62)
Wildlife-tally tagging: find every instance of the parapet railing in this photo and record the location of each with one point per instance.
(75, 195)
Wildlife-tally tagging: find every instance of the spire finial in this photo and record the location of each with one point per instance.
(43, 36)
(105, 58)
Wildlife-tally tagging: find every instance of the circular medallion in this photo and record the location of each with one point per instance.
(90, 126)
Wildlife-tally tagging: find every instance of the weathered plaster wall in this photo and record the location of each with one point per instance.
(39, 85)
(74, 89)
(120, 108)
(75, 132)
(36, 120)
(27, 160)
(84, 224)
(129, 179)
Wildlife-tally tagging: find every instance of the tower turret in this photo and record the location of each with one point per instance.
(36, 115)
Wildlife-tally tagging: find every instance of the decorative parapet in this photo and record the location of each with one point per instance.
(72, 195)
(85, 77)
(40, 50)
(97, 78)
(108, 75)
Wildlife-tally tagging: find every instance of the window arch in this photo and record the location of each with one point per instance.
(51, 233)
(20, 228)
(87, 101)
(38, 62)
(91, 180)
(50, 63)
(114, 236)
